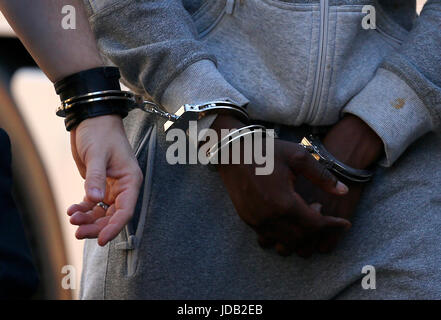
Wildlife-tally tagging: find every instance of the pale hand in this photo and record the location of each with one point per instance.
(106, 161)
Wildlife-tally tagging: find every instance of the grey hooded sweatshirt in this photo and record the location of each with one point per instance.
(296, 62)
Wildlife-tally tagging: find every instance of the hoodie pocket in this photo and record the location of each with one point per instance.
(210, 14)
(133, 232)
(357, 54)
(389, 30)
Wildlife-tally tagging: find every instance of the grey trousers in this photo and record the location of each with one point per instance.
(187, 242)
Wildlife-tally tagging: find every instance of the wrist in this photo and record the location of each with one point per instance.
(354, 143)
(225, 121)
(110, 121)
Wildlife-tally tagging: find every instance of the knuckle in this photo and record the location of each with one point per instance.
(95, 175)
(94, 155)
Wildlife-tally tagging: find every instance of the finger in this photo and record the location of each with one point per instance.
(330, 239)
(305, 164)
(83, 206)
(89, 231)
(95, 184)
(310, 221)
(302, 215)
(79, 218)
(125, 204)
(336, 223)
(331, 221)
(301, 240)
(332, 235)
(306, 249)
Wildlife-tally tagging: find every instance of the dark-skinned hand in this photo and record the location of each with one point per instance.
(355, 144)
(271, 205)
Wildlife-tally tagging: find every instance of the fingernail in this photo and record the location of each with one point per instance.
(342, 188)
(102, 242)
(96, 193)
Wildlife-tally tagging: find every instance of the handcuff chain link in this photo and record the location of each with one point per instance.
(153, 108)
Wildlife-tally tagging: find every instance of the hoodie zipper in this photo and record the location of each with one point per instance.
(321, 61)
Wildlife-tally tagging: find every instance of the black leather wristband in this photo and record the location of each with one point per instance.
(92, 80)
(94, 109)
(86, 82)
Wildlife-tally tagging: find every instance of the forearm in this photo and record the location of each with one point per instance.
(164, 57)
(163, 45)
(59, 52)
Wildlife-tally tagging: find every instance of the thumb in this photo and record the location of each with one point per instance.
(337, 223)
(95, 184)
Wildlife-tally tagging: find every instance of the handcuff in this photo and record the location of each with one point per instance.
(314, 146)
(131, 101)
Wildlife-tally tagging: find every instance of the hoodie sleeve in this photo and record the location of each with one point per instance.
(155, 44)
(403, 100)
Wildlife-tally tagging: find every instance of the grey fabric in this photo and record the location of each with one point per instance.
(188, 242)
(267, 50)
(196, 247)
(93, 278)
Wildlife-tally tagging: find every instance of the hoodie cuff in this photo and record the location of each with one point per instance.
(394, 111)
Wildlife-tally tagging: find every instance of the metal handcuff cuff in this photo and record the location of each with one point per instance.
(323, 156)
(181, 119)
(234, 136)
